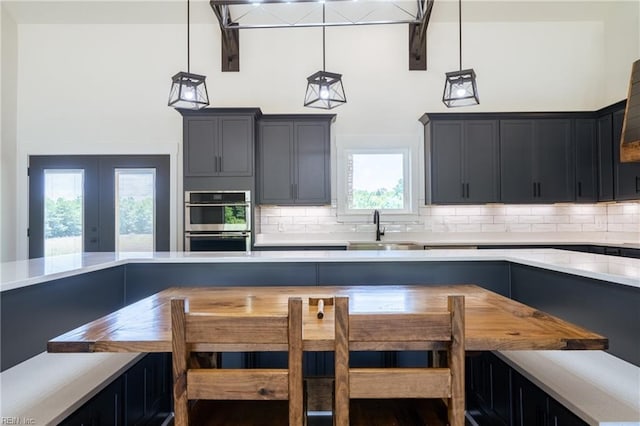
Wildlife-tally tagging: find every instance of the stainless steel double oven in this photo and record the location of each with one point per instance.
(217, 221)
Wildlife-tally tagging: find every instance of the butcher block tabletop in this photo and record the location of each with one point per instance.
(493, 322)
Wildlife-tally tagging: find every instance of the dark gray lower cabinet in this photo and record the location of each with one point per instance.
(141, 396)
(498, 395)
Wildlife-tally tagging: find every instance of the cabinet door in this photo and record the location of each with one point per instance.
(605, 158)
(586, 164)
(530, 403)
(560, 416)
(235, 146)
(200, 136)
(481, 168)
(311, 163)
(446, 162)
(275, 145)
(627, 175)
(516, 161)
(553, 160)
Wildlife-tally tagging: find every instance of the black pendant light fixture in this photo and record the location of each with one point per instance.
(188, 91)
(460, 86)
(324, 89)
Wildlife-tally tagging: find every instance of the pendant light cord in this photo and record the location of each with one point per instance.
(323, 40)
(460, 31)
(188, 38)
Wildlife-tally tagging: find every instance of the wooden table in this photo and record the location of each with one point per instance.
(493, 322)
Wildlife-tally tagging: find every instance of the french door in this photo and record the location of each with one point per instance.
(98, 203)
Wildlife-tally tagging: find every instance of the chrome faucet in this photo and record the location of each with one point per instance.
(376, 221)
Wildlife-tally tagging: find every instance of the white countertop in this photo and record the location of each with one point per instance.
(598, 387)
(613, 269)
(435, 239)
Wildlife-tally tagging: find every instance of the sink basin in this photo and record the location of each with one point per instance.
(381, 245)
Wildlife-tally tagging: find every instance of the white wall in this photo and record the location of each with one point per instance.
(87, 88)
(8, 116)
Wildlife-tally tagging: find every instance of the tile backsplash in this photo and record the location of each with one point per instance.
(617, 217)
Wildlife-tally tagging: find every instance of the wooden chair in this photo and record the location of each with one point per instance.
(231, 388)
(396, 388)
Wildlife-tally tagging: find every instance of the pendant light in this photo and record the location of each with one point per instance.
(324, 89)
(188, 91)
(460, 86)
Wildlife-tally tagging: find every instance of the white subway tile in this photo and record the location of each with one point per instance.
(530, 219)
(518, 210)
(621, 218)
(292, 211)
(518, 227)
(440, 228)
(424, 211)
(456, 219)
(543, 227)
(294, 229)
(468, 211)
(395, 228)
(365, 228)
(594, 227)
(318, 211)
(592, 209)
(505, 219)
(600, 219)
(418, 227)
(327, 220)
(544, 210)
(569, 227)
(480, 219)
(269, 229)
(436, 219)
(305, 220)
(500, 227)
(582, 218)
(556, 219)
(442, 211)
(469, 228)
(277, 220)
(269, 211)
(616, 227)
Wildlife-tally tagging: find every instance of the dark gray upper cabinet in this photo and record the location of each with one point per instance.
(219, 142)
(626, 175)
(537, 161)
(586, 160)
(605, 158)
(464, 161)
(294, 160)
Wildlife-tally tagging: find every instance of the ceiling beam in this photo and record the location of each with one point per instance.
(230, 38)
(418, 38)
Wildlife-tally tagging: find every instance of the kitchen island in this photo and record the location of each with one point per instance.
(44, 298)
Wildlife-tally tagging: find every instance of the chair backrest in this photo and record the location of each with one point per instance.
(192, 332)
(436, 330)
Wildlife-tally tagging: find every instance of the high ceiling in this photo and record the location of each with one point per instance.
(174, 12)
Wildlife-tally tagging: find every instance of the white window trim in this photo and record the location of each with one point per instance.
(408, 214)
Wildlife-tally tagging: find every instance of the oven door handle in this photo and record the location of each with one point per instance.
(217, 204)
(220, 235)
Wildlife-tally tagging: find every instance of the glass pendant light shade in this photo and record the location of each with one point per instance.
(188, 91)
(460, 89)
(460, 86)
(324, 90)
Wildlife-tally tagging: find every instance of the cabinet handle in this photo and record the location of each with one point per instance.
(463, 193)
(579, 189)
(467, 190)
(219, 164)
(535, 192)
(637, 184)
(295, 190)
(291, 191)
(539, 189)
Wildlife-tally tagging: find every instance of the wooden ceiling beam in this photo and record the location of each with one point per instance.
(230, 38)
(418, 39)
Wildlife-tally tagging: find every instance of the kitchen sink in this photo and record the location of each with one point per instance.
(381, 245)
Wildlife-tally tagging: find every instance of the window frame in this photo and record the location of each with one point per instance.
(409, 212)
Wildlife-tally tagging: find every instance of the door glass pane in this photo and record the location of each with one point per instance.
(63, 211)
(135, 209)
